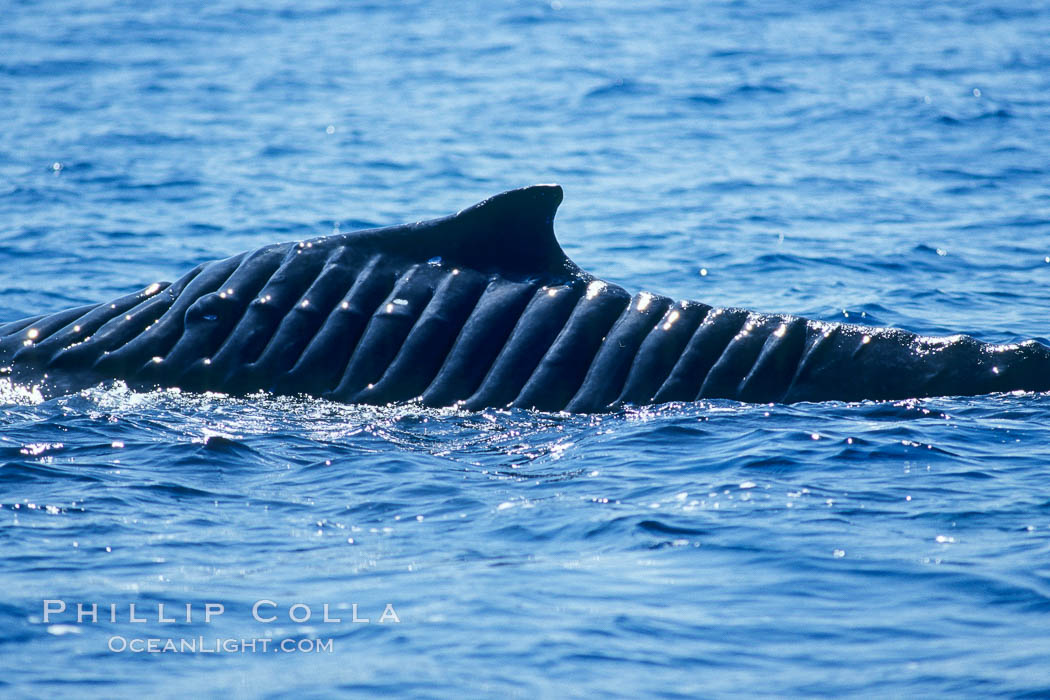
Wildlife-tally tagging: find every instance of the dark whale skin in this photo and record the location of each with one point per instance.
(479, 309)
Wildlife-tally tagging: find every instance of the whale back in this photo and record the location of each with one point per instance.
(479, 309)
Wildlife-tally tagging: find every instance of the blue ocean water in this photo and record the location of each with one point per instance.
(879, 162)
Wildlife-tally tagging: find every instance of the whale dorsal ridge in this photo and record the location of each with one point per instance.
(511, 233)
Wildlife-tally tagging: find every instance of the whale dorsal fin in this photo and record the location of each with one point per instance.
(511, 233)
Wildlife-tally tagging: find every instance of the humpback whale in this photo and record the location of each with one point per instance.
(479, 309)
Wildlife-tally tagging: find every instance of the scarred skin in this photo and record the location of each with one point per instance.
(480, 309)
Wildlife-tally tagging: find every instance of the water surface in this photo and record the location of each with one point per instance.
(875, 162)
